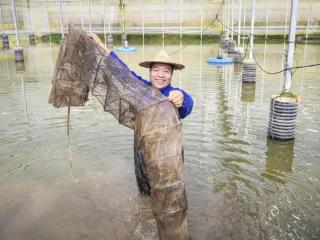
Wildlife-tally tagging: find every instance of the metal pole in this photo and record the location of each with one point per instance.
(2, 28)
(122, 12)
(31, 28)
(180, 60)
(292, 38)
(15, 21)
(308, 14)
(252, 27)
(201, 20)
(66, 12)
(284, 38)
(48, 25)
(180, 18)
(224, 17)
(232, 6)
(239, 23)
(143, 23)
(89, 6)
(286, 21)
(81, 14)
(109, 18)
(244, 20)
(267, 20)
(228, 17)
(104, 24)
(162, 19)
(61, 19)
(308, 20)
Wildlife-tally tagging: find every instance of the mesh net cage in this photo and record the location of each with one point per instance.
(83, 66)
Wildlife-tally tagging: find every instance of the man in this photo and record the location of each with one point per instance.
(161, 70)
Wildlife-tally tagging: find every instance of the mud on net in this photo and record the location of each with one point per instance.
(82, 67)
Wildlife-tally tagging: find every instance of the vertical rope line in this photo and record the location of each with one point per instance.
(68, 119)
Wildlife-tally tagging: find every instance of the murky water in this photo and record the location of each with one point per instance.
(240, 185)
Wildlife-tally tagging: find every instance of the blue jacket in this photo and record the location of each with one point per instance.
(187, 105)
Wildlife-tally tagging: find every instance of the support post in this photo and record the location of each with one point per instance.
(89, 6)
(15, 21)
(142, 18)
(201, 20)
(232, 17)
(239, 23)
(162, 22)
(180, 19)
(228, 17)
(253, 10)
(291, 45)
(32, 37)
(1, 19)
(61, 19)
(18, 51)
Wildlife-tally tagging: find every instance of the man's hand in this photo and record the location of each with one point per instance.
(95, 38)
(176, 97)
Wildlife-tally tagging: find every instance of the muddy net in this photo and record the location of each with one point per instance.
(83, 66)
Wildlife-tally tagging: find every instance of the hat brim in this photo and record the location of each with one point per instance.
(175, 66)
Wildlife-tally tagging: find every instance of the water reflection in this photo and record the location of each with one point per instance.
(71, 163)
(224, 80)
(234, 174)
(248, 91)
(280, 155)
(23, 90)
(8, 69)
(264, 65)
(20, 67)
(279, 159)
(237, 69)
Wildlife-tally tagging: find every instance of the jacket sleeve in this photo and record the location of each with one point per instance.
(187, 105)
(135, 75)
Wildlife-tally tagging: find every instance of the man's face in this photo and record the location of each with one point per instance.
(160, 75)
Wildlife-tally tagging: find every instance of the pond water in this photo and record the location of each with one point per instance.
(239, 183)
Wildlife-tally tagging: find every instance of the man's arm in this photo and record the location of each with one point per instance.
(181, 100)
(95, 38)
(187, 105)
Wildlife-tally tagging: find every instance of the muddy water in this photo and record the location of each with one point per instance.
(240, 185)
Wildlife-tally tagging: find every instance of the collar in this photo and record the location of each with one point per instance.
(166, 89)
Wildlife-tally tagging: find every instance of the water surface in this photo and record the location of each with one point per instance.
(240, 184)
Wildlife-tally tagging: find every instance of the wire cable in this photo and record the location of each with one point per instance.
(256, 61)
(203, 31)
(285, 69)
(246, 50)
(226, 25)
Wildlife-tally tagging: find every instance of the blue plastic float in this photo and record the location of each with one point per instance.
(220, 60)
(128, 49)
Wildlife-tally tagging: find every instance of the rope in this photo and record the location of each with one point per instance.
(256, 61)
(246, 50)
(203, 31)
(68, 120)
(226, 25)
(285, 69)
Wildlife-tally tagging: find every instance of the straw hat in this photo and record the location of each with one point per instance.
(162, 57)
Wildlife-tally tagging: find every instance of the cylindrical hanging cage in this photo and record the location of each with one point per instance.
(249, 71)
(282, 120)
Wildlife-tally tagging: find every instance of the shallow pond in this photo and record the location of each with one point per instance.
(240, 184)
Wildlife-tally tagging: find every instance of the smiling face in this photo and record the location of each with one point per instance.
(160, 75)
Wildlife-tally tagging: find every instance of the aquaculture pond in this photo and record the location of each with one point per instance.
(239, 183)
